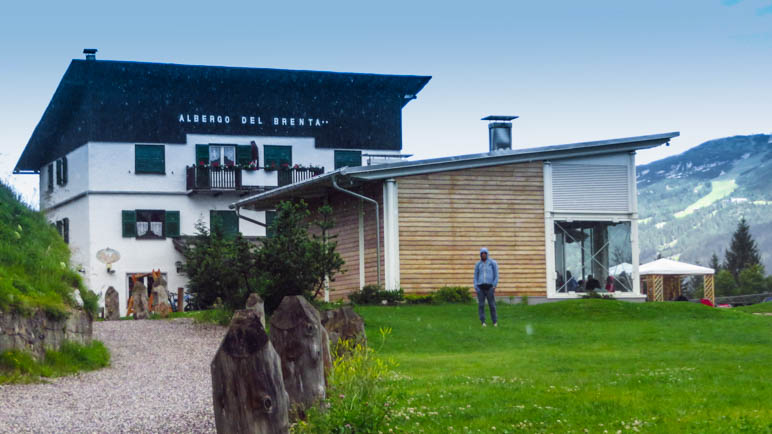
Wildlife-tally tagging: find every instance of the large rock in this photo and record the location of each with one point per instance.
(299, 338)
(344, 323)
(255, 303)
(247, 385)
(161, 304)
(112, 305)
(39, 331)
(139, 295)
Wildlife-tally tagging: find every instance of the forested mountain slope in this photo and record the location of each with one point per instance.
(689, 204)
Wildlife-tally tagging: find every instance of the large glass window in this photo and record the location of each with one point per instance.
(593, 256)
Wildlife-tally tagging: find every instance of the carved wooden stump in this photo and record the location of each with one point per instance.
(112, 305)
(344, 323)
(255, 303)
(297, 334)
(161, 298)
(247, 385)
(139, 294)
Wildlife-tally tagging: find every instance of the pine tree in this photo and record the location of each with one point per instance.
(743, 252)
(714, 263)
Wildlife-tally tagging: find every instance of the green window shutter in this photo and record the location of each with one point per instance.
(50, 177)
(172, 224)
(243, 155)
(129, 223)
(276, 156)
(202, 155)
(59, 172)
(64, 170)
(225, 221)
(149, 159)
(348, 158)
(270, 216)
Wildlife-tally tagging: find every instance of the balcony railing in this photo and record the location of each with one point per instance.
(213, 178)
(218, 179)
(293, 175)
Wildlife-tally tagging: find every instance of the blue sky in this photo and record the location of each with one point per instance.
(574, 71)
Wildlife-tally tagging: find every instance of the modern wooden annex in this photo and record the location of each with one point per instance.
(559, 220)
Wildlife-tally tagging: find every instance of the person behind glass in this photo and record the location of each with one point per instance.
(592, 283)
(486, 278)
(610, 284)
(571, 284)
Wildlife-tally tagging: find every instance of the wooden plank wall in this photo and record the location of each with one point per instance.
(444, 219)
(345, 211)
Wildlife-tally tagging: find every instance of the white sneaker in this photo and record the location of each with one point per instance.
(484, 325)
(495, 324)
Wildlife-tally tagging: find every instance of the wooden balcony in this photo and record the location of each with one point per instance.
(217, 180)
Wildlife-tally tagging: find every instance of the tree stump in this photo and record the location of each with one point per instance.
(112, 305)
(247, 384)
(298, 336)
(255, 303)
(344, 323)
(139, 294)
(161, 298)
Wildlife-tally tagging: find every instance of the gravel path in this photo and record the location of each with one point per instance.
(158, 381)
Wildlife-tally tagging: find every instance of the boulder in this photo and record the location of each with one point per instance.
(139, 294)
(37, 331)
(298, 336)
(255, 303)
(112, 305)
(247, 385)
(344, 323)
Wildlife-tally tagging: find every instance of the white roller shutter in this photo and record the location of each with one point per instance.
(590, 188)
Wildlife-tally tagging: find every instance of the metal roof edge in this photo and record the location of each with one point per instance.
(552, 152)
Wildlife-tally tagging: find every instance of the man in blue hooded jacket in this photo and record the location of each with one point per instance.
(486, 279)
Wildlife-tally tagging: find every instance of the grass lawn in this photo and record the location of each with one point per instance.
(19, 367)
(758, 307)
(595, 365)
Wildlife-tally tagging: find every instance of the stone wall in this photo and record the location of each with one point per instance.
(38, 331)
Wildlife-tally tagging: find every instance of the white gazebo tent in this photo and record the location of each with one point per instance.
(663, 277)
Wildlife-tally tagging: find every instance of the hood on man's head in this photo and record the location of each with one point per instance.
(484, 250)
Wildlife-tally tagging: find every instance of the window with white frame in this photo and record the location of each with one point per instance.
(222, 155)
(593, 256)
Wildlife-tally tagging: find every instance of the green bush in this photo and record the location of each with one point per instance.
(452, 294)
(358, 400)
(419, 299)
(20, 367)
(374, 294)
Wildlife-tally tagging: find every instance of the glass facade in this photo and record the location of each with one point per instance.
(593, 256)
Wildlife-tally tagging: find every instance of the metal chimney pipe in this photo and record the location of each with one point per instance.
(499, 132)
(90, 53)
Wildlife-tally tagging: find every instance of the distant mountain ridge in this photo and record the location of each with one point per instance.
(689, 204)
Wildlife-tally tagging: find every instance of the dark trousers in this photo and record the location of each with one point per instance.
(486, 293)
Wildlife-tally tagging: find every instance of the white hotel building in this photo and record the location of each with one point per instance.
(132, 155)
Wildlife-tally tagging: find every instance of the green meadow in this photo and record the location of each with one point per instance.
(577, 366)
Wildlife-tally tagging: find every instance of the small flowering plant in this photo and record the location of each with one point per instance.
(358, 398)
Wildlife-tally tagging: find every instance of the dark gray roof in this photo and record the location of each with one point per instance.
(319, 185)
(118, 101)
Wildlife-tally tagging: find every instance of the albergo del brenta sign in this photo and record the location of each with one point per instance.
(293, 121)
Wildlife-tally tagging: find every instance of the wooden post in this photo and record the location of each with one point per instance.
(247, 386)
(180, 299)
(298, 336)
(709, 291)
(658, 295)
